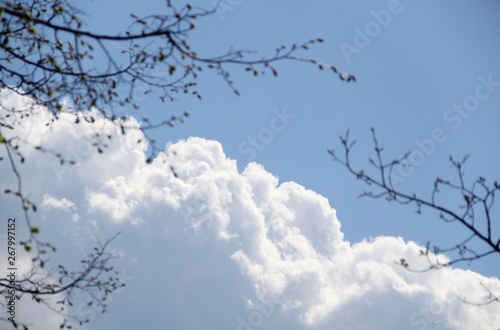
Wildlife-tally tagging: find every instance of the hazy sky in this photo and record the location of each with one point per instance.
(270, 234)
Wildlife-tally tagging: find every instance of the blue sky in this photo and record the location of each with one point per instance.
(410, 73)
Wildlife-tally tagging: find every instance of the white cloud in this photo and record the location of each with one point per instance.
(215, 248)
(63, 204)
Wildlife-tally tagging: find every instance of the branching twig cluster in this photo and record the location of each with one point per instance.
(49, 55)
(95, 281)
(473, 211)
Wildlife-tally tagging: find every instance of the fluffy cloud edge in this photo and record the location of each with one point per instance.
(285, 239)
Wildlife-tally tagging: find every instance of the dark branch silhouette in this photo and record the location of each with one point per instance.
(95, 281)
(473, 210)
(50, 56)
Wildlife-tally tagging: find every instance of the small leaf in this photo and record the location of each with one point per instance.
(31, 29)
(35, 230)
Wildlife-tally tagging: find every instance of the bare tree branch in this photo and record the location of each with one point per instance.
(50, 56)
(473, 212)
(95, 281)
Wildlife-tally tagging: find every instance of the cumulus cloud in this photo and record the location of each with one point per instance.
(50, 202)
(216, 248)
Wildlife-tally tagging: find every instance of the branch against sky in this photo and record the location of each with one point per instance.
(50, 56)
(473, 211)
